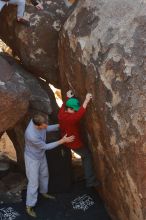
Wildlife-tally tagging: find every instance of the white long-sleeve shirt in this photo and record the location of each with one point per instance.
(35, 140)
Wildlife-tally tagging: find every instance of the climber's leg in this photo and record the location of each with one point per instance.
(20, 11)
(2, 4)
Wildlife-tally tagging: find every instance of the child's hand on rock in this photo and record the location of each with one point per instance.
(88, 97)
(39, 6)
(70, 94)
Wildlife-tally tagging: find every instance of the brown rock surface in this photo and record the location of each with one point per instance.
(36, 46)
(14, 97)
(102, 50)
(39, 101)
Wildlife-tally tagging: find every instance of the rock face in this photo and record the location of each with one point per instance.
(36, 46)
(14, 96)
(102, 50)
(37, 101)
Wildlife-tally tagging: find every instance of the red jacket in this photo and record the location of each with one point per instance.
(70, 125)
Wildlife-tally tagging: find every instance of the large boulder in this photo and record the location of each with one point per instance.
(39, 102)
(36, 46)
(14, 96)
(102, 50)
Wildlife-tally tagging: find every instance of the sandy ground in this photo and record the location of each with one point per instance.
(4, 47)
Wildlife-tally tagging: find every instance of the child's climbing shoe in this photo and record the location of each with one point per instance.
(97, 184)
(23, 21)
(47, 196)
(94, 184)
(30, 211)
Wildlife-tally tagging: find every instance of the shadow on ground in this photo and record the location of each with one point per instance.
(79, 204)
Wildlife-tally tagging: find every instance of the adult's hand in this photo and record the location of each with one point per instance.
(66, 139)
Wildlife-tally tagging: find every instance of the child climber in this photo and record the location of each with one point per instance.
(69, 117)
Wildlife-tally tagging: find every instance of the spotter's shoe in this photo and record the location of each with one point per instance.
(30, 211)
(48, 196)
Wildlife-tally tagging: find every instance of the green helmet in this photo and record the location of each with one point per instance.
(73, 103)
